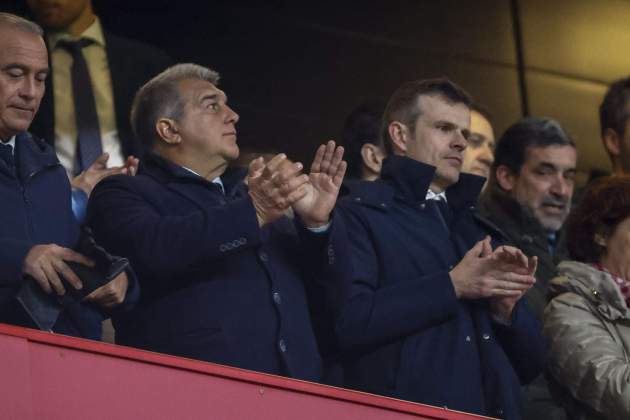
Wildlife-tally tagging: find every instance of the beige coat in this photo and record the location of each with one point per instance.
(588, 328)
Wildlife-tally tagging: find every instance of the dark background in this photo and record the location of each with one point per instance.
(294, 69)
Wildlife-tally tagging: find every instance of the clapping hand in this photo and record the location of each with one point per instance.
(325, 178)
(98, 170)
(275, 186)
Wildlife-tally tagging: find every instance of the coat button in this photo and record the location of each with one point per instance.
(282, 345)
(467, 338)
(486, 336)
(277, 298)
(422, 206)
(263, 256)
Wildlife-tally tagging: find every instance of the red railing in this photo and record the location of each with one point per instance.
(50, 376)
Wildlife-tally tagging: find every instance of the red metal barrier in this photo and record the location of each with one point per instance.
(54, 377)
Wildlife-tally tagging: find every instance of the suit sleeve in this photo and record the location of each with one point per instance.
(376, 313)
(161, 247)
(585, 358)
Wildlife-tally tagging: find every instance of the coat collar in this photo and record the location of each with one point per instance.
(169, 172)
(411, 180)
(594, 285)
(507, 210)
(32, 155)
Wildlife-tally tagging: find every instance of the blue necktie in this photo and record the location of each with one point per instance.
(89, 145)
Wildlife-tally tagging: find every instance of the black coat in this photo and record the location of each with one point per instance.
(403, 332)
(215, 286)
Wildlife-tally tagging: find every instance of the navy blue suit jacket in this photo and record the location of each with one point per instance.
(403, 331)
(215, 286)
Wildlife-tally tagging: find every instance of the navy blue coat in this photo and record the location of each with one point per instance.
(36, 209)
(215, 286)
(403, 332)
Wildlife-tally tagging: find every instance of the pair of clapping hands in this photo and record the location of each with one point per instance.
(502, 275)
(277, 185)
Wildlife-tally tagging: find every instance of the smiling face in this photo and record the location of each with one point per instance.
(23, 71)
(207, 126)
(544, 183)
(439, 138)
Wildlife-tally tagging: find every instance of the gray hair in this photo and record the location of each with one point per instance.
(19, 23)
(160, 98)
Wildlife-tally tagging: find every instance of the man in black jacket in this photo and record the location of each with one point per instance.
(93, 78)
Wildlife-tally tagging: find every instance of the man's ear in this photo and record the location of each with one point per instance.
(612, 142)
(506, 178)
(372, 157)
(399, 135)
(167, 130)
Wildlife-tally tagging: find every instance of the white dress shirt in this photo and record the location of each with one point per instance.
(65, 121)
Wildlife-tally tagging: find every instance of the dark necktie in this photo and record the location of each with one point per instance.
(441, 210)
(89, 145)
(6, 154)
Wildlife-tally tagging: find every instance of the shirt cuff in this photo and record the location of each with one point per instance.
(319, 229)
(79, 204)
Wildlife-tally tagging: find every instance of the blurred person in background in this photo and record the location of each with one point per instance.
(479, 154)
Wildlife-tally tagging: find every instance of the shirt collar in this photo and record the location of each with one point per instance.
(433, 196)
(216, 180)
(10, 142)
(93, 32)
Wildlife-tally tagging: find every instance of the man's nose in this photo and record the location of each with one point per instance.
(561, 187)
(459, 141)
(28, 88)
(232, 116)
(486, 155)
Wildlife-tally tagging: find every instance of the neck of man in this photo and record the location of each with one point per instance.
(85, 19)
(208, 168)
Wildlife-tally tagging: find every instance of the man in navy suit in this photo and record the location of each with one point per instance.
(225, 263)
(434, 313)
(37, 227)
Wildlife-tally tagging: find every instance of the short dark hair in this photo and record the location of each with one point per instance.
(159, 98)
(613, 112)
(362, 125)
(403, 104)
(605, 204)
(512, 147)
